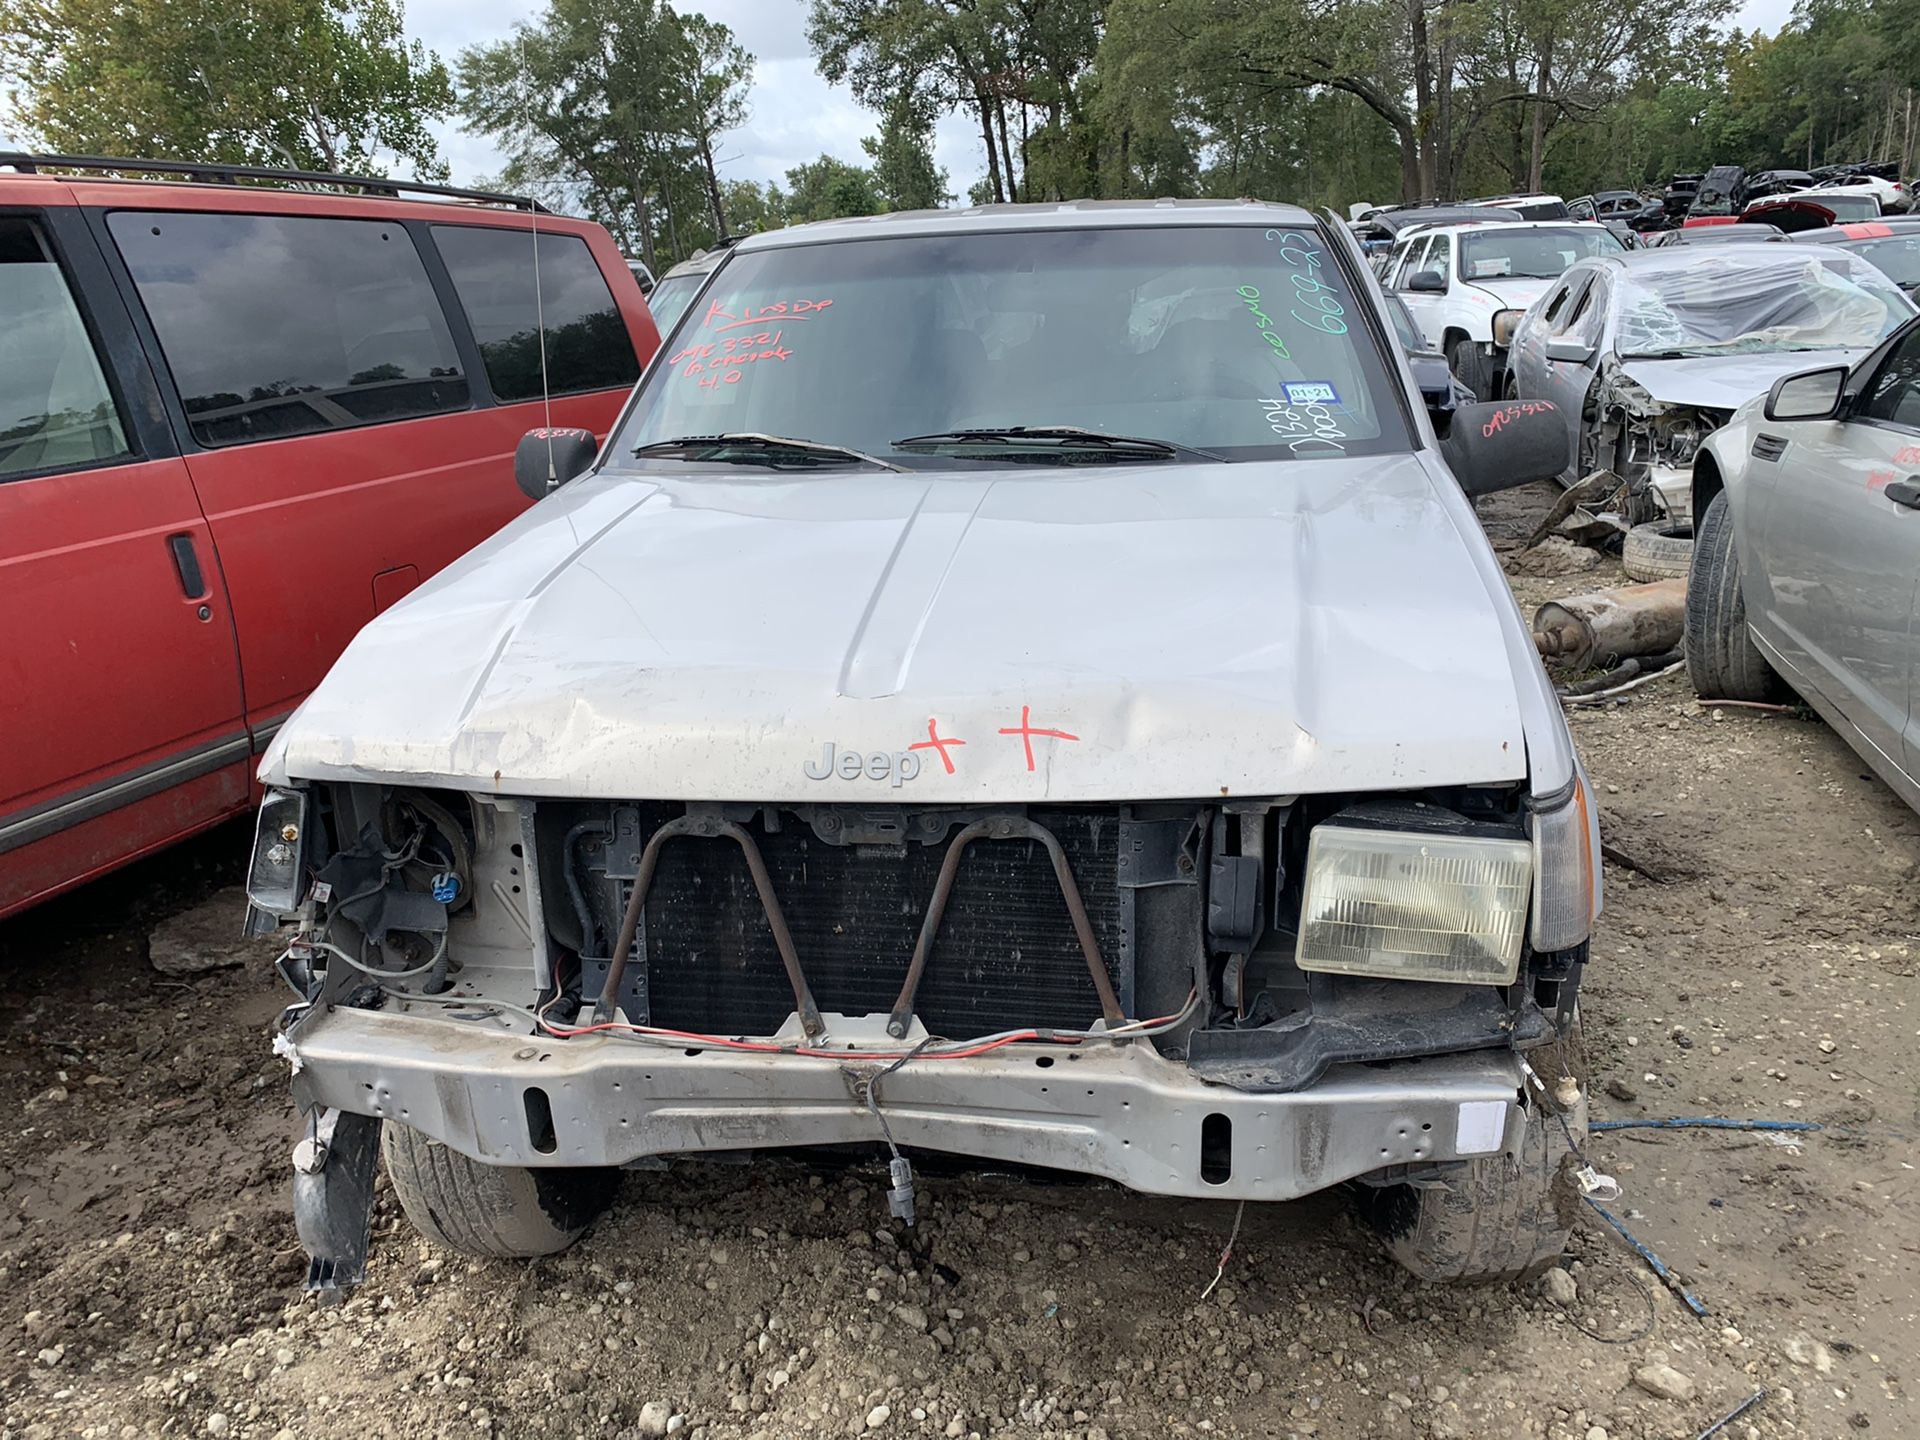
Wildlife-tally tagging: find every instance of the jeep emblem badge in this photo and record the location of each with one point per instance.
(898, 767)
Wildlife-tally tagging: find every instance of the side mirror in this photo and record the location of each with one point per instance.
(1569, 349)
(1427, 282)
(1506, 443)
(1810, 395)
(1435, 378)
(546, 459)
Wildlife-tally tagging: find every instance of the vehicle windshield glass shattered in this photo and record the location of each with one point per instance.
(1737, 303)
(1243, 341)
(1516, 254)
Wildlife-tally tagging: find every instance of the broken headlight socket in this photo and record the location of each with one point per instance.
(276, 874)
(1566, 870)
(1406, 905)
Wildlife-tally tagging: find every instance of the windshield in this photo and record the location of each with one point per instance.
(1241, 340)
(1736, 302)
(1531, 254)
(670, 299)
(1897, 257)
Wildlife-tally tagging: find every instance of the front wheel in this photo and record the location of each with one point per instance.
(504, 1212)
(1504, 1217)
(1470, 368)
(1722, 661)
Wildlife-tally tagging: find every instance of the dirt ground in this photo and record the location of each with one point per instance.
(1763, 964)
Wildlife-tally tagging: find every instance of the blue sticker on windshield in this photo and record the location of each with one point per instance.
(1311, 392)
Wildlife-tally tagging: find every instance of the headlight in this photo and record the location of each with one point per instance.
(1504, 323)
(1413, 906)
(1566, 846)
(274, 878)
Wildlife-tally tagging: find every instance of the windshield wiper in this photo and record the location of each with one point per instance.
(1060, 438)
(750, 447)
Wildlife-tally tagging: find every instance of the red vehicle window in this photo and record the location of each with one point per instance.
(55, 409)
(277, 325)
(494, 275)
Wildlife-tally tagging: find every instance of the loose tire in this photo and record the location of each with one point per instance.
(504, 1212)
(1470, 368)
(1722, 661)
(1500, 1218)
(1660, 550)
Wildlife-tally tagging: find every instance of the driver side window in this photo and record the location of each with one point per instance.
(1413, 262)
(1440, 258)
(1894, 395)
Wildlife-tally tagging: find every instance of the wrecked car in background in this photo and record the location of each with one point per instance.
(1648, 353)
(1467, 284)
(1890, 244)
(1024, 682)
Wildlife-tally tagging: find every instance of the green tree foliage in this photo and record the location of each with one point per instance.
(613, 107)
(904, 174)
(826, 189)
(311, 84)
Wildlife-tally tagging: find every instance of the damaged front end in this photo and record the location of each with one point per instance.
(1243, 998)
(1647, 444)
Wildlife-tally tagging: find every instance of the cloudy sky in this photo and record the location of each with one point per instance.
(794, 114)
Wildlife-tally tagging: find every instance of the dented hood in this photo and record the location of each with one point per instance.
(1095, 634)
(1725, 382)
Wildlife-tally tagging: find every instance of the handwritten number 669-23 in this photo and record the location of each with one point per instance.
(1309, 289)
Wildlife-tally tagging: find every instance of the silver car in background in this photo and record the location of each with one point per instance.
(1647, 353)
(1807, 551)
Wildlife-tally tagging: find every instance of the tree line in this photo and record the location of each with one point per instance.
(621, 110)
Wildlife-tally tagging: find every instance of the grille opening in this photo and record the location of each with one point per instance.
(1216, 1149)
(539, 1110)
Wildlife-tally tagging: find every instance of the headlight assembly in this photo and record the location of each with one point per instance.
(1504, 323)
(1410, 906)
(276, 875)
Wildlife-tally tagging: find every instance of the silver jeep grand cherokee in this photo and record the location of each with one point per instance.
(1025, 683)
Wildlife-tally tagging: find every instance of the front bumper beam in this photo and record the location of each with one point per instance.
(1119, 1111)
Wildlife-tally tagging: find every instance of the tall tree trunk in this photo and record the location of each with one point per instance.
(713, 187)
(1409, 164)
(1422, 96)
(1126, 147)
(1006, 148)
(1537, 160)
(673, 224)
(986, 134)
(1444, 179)
(644, 214)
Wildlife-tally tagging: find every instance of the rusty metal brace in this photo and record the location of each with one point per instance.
(1003, 827)
(702, 828)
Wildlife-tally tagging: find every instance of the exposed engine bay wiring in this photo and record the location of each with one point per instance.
(661, 1035)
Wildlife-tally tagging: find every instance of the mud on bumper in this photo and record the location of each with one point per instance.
(1121, 1112)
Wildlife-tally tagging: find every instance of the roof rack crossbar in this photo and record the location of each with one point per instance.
(217, 174)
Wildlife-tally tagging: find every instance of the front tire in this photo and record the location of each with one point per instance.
(1470, 368)
(1722, 661)
(1501, 1218)
(502, 1212)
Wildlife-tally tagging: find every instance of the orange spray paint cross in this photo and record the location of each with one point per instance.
(1026, 730)
(936, 741)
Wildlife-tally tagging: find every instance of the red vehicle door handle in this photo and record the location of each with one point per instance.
(193, 580)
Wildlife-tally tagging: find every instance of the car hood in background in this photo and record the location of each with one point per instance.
(1514, 294)
(1725, 382)
(1104, 633)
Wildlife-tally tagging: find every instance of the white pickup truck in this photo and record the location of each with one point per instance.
(1467, 285)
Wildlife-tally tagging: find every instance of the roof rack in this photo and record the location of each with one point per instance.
(215, 174)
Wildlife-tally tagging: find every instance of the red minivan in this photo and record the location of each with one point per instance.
(237, 420)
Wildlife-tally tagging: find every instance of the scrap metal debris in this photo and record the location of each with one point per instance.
(1606, 627)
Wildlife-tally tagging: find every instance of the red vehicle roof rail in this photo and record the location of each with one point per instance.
(216, 174)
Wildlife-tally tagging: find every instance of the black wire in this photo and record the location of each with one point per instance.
(1646, 1328)
(873, 1092)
